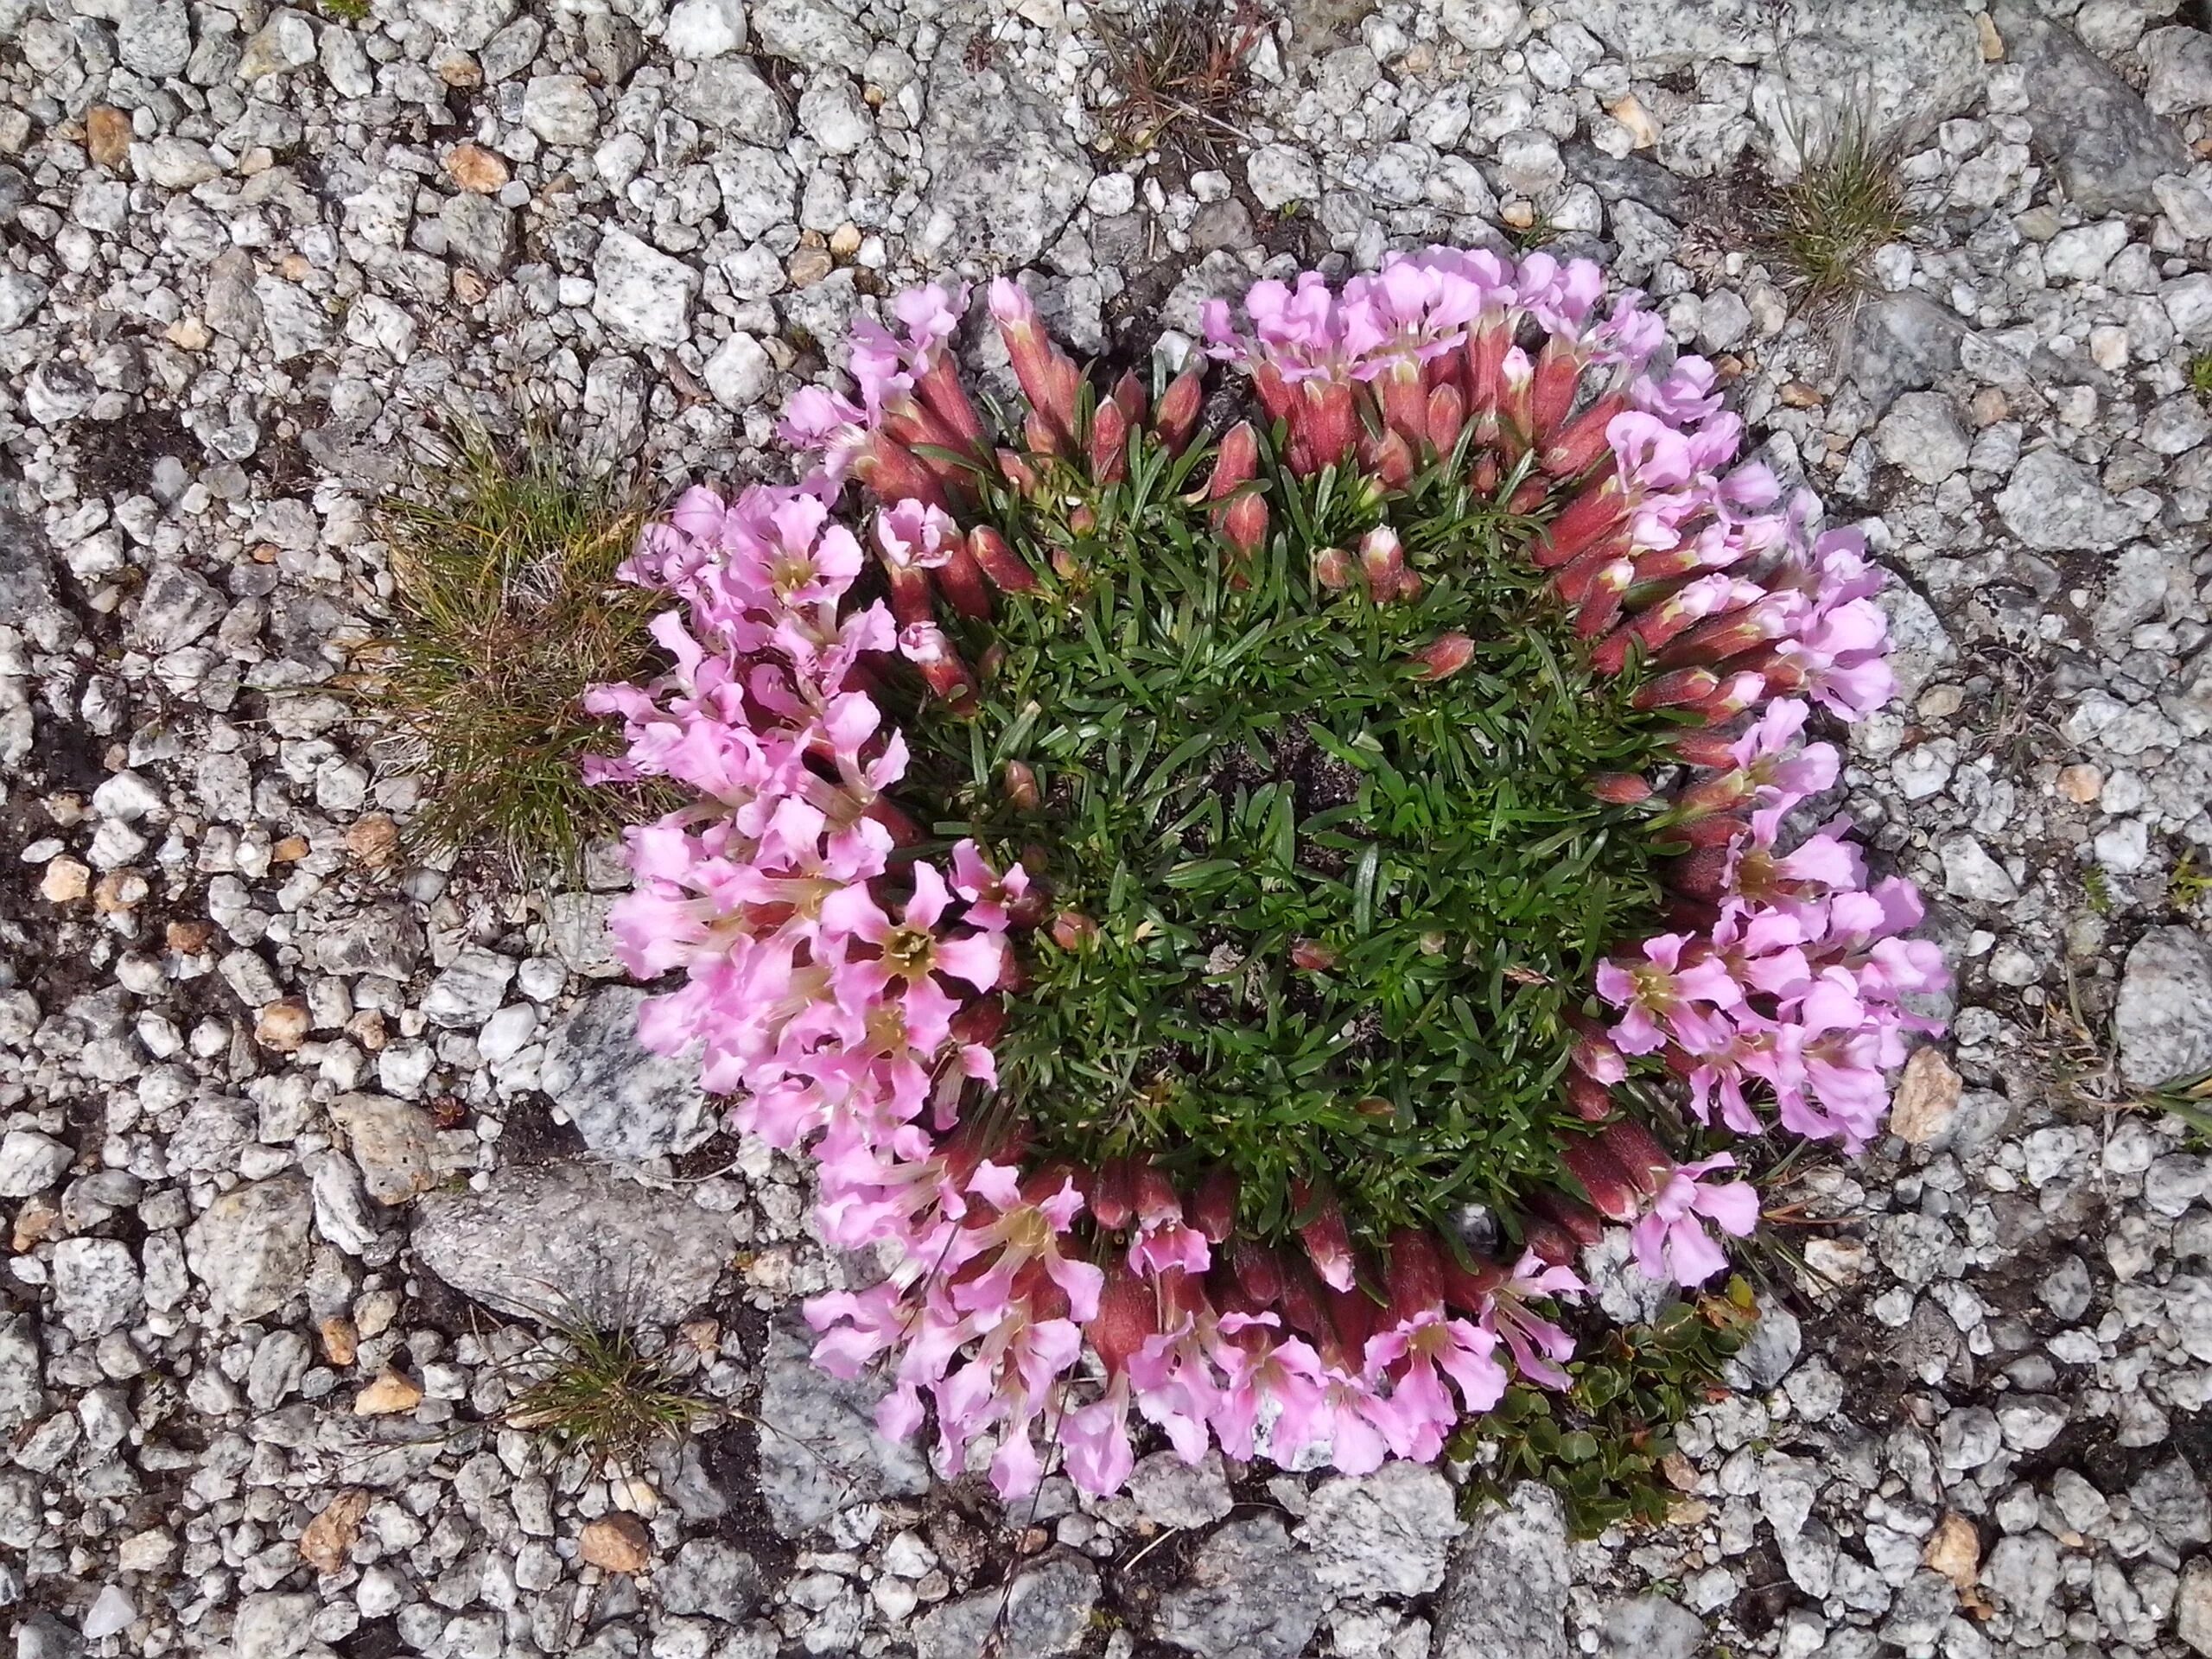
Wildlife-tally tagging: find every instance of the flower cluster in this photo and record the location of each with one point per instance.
(845, 975)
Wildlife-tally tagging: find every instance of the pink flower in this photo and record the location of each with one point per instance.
(1539, 1348)
(1662, 994)
(1426, 1348)
(1671, 1241)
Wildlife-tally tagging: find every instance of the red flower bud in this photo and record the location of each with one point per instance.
(1257, 1270)
(998, 561)
(1328, 1245)
(1591, 1100)
(1619, 788)
(1313, 957)
(1637, 1151)
(1128, 1317)
(1020, 783)
(1415, 1275)
(1445, 655)
(1551, 390)
(1213, 1211)
(1158, 1203)
(1611, 1188)
(1072, 929)
(1332, 568)
(1176, 420)
(1684, 686)
(1244, 524)
(1109, 443)
(1237, 462)
(1447, 416)
(1113, 1195)
(1582, 1223)
(1581, 443)
(1382, 563)
(1128, 397)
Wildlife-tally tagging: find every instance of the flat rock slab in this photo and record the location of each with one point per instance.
(555, 1242)
(2106, 145)
(2164, 1017)
(820, 1449)
(624, 1100)
(1506, 1598)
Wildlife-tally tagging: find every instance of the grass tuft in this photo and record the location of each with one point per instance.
(1181, 69)
(507, 609)
(599, 1394)
(2200, 374)
(346, 11)
(1822, 228)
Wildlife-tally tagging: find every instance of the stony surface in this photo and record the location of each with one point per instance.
(299, 1144)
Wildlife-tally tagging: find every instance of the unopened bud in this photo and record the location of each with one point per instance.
(1020, 781)
(1620, 788)
(1332, 568)
(1313, 956)
(1382, 563)
(1072, 929)
(1445, 655)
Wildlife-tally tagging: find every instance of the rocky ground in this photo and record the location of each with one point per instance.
(296, 1147)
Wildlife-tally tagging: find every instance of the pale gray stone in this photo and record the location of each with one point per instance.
(820, 1450)
(1046, 1612)
(2164, 1020)
(250, 1247)
(1506, 1596)
(547, 1242)
(1250, 1594)
(624, 1100)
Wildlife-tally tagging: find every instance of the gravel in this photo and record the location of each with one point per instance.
(301, 1149)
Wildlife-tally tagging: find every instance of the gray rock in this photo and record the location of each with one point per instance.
(470, 989)
(1923, 437)
(2193, 1605)
(22, 1400)
(153, 37)
(614, 47)
(1005, 172)
(711, 1577)
(1922, 1607)
(1776, 1342)
(480, 232)
(1506, 1598)
(1651, 1627)
(2172, 1498)
(292, 320)
(273, 1626)
(174, 608)
(250, 1247)
(392, 1142)
(2180, 62)
(641, 294)
(1970, 873)
(550, 1241)
(741, 373)
(285, 42)
(469, 25)
(1174, 1493)
(96, 1286)
(2022, 1571)
(1250, 1595)
(1902, 342)
(383, 939)
(2106, 145)
(624, 1100)
(1047, 1611)
(1381, 1535)
(811, 34)
(820, 1449)
(1897, 63)
(2164, 1020)
(728, 94)
(1682, 34)
(560, 110)
(31, 1162)
(1279, 174)
(704, 28)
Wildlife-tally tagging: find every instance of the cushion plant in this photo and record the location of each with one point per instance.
(1231, 913)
